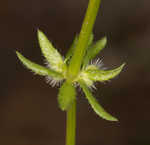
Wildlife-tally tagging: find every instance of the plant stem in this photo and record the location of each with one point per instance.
(71, 125)
(86, 30)
(76, 61)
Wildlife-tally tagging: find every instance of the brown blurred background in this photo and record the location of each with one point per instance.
(29, 113)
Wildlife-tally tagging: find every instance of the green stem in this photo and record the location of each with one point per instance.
(86, 30)
(71, 125)
(76, 61)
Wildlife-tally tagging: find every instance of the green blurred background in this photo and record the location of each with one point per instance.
(29, 113)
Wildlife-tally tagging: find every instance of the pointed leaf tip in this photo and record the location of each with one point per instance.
(98, 46)
(103, 75)
(38, 69)
(91, 38)
(72, 48)
(103, 41)
(50, 53)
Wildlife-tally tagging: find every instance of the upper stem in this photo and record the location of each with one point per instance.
(86, 30)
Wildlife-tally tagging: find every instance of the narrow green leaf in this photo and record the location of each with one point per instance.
(66, 95)
(103, 75)
(51, 54)
(99, 110)
(91, 40)
(74, 44)
(71, 50)
(94, 50)
(38, 69)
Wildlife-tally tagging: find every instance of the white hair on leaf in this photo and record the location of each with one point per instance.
(97, 62)
(47, 63)
(53, 82)
(92, 87)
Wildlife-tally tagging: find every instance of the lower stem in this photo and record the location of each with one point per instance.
(71, 125)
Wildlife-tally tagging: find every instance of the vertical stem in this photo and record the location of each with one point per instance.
(76, 61)
(86, 30)
(71, 125)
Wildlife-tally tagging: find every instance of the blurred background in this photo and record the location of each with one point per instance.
(29, 113)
